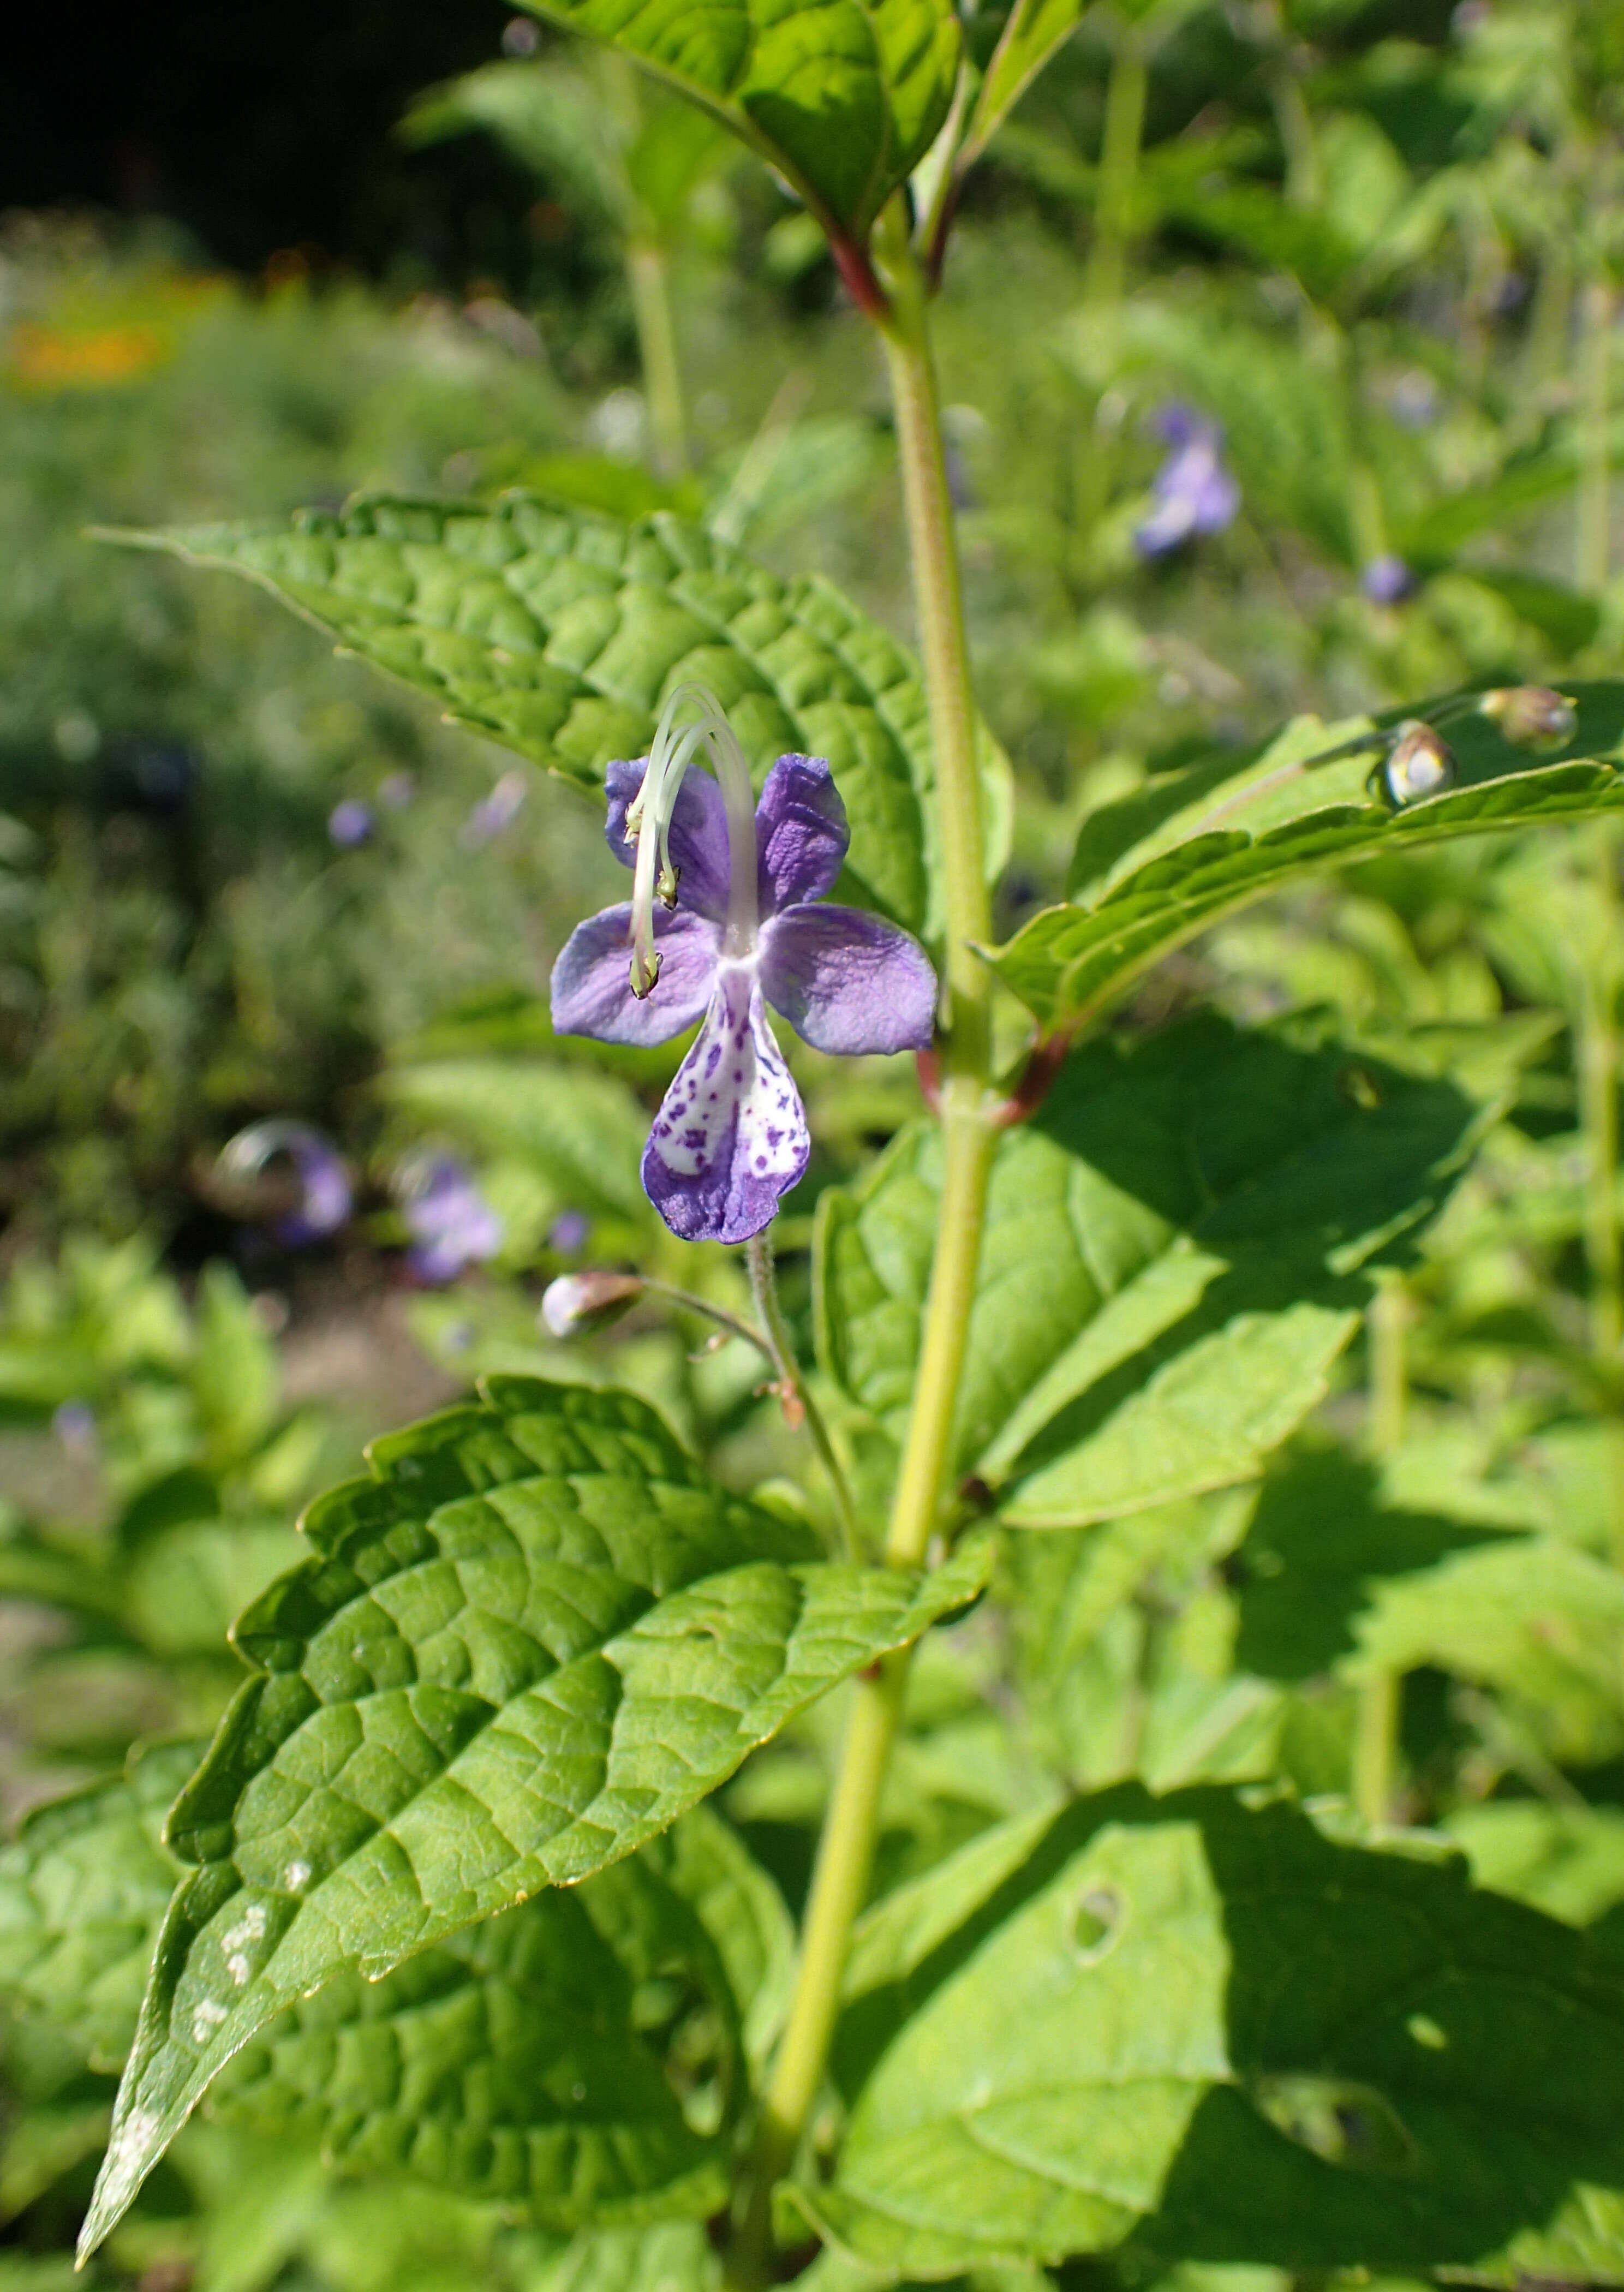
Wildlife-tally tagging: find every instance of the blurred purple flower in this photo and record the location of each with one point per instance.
(451, 1223)
(396, 790)
(349, 823)
(495, 813)
(570, 1230)
(75, 1426)
(1386, 580)
(1194, 492)
(324, 1201)
(1413, 402)
(716, 931)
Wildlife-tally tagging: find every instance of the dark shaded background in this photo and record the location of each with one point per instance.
(266, 129)
(259, 129)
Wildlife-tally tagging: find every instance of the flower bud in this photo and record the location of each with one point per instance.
(576, 1302)
(1530, 715)
(1418, 765)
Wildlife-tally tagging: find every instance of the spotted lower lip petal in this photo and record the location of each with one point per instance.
(730, 1138)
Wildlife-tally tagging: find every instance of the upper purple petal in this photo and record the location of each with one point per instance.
(847, 981)
(730, 1137)
(801, 833)
(698, 839)
(591, 979)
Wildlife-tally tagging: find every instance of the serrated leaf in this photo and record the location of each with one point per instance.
(506, 2064)
(676, 2256)
(1153, 871)
(1213, 2031)
(560, 633)
(536, 1636)
(1170, 1263)
(82, 1891)
(843, 97)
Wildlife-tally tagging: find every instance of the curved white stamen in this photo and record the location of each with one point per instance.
(648, 819)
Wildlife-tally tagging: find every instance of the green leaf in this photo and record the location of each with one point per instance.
(1566, 1860)
(708, 1864)
(560, 633)
(1152, 871)
(676, 2256)
(844, 97)
(1034, 32)
(1210, 2028)
(522, 2062)
(536, 1636)
(1170, 1263)
(1530, 1615)
(82, 1891)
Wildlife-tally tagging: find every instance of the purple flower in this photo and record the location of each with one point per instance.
(739, 926)
(569, 1232)
(396, 790)
(1194, 492)
(1386, 580)
(1413, 401)
(74, 1424)
(349, 823)
(451, 1223)
(323, 1201)
(495, 813)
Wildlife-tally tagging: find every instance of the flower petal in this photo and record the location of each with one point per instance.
(730, 1137)
(699, 834)
(847, 981)
(591, 979)
(801, 833)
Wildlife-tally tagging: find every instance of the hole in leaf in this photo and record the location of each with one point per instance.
(1097, 1922)
(1349, 2125)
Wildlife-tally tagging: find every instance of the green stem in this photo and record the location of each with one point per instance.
(693, 1304)
(1380, 1696)
(1121, 141)
(1375, 1744)
(839, 1887)
(792, 1388)
(845, 1852)
(1592, 536)
(662, 376)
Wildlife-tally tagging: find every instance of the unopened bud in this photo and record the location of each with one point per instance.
(1531, 715)
(645, 971)
(576, 1302)
(1418, 765)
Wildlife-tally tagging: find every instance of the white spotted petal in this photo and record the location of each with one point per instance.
(730, 1137)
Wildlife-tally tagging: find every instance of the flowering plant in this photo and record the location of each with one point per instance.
(1082, 1971)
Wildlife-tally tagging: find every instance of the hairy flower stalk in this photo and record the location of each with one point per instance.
(729, 914)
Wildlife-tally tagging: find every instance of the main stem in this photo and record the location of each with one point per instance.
(845, 1852)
